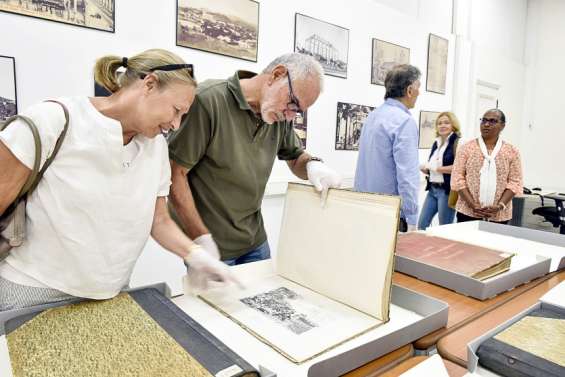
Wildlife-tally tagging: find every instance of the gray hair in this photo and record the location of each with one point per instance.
(301, 67)
(399, 79)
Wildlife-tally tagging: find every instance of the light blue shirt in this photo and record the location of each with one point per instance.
(388, 156)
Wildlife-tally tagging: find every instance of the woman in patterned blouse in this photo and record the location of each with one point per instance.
(487, 173)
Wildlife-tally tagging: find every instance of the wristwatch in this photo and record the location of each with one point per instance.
(313, 158)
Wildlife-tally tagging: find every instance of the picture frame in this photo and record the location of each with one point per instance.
(90, 14)
(427, 129)
(350, 118)
(8, 88)
(223, 27)
(436, 77)
(385, 56)
(300, 125)
(326, 42)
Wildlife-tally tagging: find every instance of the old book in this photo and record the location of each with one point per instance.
(140, 333)
(333, 274)
(532, 346)
(462, 258)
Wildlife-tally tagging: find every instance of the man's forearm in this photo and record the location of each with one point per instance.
(183, 203)
(298, 166)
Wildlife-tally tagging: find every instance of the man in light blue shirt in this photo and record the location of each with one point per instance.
(388, 149)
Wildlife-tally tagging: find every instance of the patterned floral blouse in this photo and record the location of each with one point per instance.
(466, 173)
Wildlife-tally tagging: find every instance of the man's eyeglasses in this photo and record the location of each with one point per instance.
(489, 121)
(170, 67)
(293, 105)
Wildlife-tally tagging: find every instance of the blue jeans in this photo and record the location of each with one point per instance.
(436, 202)
(261, 252)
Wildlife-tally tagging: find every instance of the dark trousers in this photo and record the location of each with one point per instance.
(402, 225)
(461, 218)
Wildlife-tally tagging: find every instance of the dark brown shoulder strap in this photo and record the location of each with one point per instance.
(37, 142)
(55, 149)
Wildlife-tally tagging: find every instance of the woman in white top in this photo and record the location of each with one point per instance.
(105, 192)
(438, 171)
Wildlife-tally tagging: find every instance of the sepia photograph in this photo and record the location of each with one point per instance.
(427, 134)
(225, 27)
(8, 97)
(326, 42)
(350, 119)
(437, 64)
(386, 56)
(300, 127)
(93, 14)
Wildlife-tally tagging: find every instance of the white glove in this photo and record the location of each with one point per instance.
(322, 177)
(203, 268)
(208, 243)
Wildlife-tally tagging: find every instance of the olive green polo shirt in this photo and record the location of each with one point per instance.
(230, 153)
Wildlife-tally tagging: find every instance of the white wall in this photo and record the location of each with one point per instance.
(490, 49)
(54, 59)
(543, 127)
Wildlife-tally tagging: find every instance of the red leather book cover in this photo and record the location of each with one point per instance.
(454, 256)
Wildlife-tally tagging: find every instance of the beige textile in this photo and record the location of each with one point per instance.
(543, 337)
(98, 338)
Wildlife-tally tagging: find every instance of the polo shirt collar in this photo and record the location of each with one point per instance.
(397, 103)
(235, 88)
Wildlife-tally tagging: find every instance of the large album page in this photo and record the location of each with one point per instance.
(297, 322)
(344, 250)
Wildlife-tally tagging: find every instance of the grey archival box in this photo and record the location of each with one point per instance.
(483, 290)
(473, 359)
(434, 313)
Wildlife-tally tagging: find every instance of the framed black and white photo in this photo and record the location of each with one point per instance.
(386, 56)
(326, 42)
(92, 14)
(349, 122)
(225, 27)
(301, 127)
(427, 134)
(437, 64)
(8, 92)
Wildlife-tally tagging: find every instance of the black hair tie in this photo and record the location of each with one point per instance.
(125, 62)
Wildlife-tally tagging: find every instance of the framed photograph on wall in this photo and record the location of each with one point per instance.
(225, 27)
(8, 92)
(92, 14)
(301, 127)
(427, 129)
(386, 56)
(349, 122)
(326, 42)
(437, 64)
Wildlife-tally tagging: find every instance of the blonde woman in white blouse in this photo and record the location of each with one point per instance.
(438, 171)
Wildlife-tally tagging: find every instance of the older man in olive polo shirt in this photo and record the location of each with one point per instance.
(222, 156)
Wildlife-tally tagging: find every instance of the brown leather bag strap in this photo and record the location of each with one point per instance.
(37, 141)
(55, 149)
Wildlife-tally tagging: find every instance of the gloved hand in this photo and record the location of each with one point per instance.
(208, 243)
(322, 177)
(204, 268)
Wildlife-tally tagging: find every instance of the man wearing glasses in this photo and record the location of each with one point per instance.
(222, 156)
